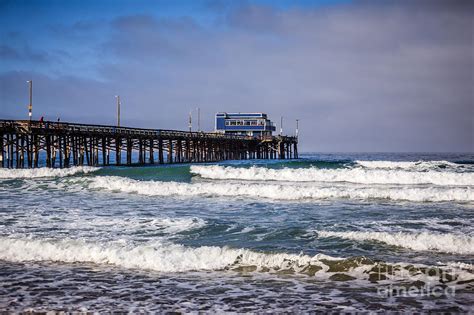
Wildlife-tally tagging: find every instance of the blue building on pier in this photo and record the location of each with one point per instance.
(249, 124)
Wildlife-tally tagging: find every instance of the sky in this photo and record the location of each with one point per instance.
(361, 76)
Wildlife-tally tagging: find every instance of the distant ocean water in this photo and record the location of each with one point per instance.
(327, 232)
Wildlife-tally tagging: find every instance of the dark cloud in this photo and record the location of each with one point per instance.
(70, 97)
(375, 76)
(7, 52)
(83, 30)
(147, 23)
(26, 53)
(135, 22)
(255, 17)
(144, 36)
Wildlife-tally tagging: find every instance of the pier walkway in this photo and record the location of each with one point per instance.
(24, 144)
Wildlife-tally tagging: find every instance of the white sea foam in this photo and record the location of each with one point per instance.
(159, 256)
(411, 165)
(45, 172)
(424, 241)
(176, 225)
(351, 175)
(168, 257)
(165, 224)
(279, 191)
(460, 265)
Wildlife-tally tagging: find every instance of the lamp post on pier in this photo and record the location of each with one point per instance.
(30, 105)
(118, 110)
(281, 125)
(190, 122)
(199, 118)
(297, 125)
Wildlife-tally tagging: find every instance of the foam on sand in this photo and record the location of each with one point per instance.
(45, 172)
(350, 175)
(279, 191)
(424, 241)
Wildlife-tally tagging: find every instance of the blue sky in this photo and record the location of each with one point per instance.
(361, 75)
(33, 28)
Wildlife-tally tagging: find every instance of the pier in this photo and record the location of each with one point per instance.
(29, 144)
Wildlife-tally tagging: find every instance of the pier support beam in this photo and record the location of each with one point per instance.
(152, 158)
(170, 151)
(129, 151)
(160, 151)
(118, 151)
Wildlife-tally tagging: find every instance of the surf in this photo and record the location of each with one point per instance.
(274, 191)
(45, 172)
(348, 175)
(169, 257)
(422, 241)
(409, 165)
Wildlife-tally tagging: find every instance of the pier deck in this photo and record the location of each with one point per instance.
(28, 144)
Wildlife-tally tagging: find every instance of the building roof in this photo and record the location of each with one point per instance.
(225, 114)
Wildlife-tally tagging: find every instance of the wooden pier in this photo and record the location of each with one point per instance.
(32, 144)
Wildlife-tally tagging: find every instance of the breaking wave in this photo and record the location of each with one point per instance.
(279, 191)
(159, 257)
(418, 165)
(350, 175)
(424, 241)
(45, 172)
(170, 257)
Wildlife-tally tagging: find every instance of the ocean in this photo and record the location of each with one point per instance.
(326, 232)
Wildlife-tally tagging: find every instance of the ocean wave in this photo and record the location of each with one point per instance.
(169, 257)
(350, 175)
(158, 256)
(165, 224)
(411, 165)
(423, 241)
(279, 191)
(45, 172)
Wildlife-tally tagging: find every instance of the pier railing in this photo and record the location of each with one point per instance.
(124, 131)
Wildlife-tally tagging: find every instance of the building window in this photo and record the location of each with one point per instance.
(247, 123)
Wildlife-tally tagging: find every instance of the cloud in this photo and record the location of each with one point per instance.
(69, 97)
(7, 52)
(26, 53)
(395, 76)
